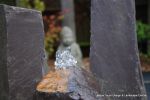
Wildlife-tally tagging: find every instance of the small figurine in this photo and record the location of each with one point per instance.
(68, 40)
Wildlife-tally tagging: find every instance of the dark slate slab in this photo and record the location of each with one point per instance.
(21, 52)
(114, 53)
(73, 83)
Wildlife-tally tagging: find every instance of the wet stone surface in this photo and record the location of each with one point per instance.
(21, 52)
(73, 83)
(114, 53)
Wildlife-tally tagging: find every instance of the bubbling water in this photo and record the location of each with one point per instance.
(64, 59)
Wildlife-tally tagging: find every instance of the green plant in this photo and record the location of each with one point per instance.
(38, 4)
(143, 31)
(148, 53)
(23, 3)
(49, 43)
(52, 35)
(143, 34)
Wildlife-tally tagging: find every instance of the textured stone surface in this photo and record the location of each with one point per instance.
(114, 53)
(72, 83)
(21, 52)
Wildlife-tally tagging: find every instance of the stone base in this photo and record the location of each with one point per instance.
(68, 84)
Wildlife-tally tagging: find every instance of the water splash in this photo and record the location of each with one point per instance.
(64, 59)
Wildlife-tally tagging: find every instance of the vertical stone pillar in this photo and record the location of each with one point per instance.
(67, 7)
(21, 52)
(114, 53)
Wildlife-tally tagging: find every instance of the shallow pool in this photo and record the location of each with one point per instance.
(146, 76)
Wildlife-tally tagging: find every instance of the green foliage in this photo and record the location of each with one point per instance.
(49, 43)
(143, 31)
(39, 5)
(8, 2)
(145, 57)
(52, 37)
(84, 44)
(148, 54)
(143, 34)
(24, 3)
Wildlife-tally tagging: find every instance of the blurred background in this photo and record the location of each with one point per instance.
(76, 15)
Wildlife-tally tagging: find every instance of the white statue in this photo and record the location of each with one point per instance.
(68, 40)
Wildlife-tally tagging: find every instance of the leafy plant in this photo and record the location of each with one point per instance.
(49, 43)
(143, 31)
(54, 28)
(38, 4)
(143, 34)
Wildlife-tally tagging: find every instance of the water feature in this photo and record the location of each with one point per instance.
(146, 76)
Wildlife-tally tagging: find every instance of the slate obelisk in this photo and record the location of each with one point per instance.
(21, 52)
(114, 54)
